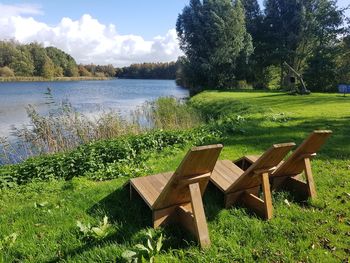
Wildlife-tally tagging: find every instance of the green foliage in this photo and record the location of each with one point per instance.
(212, 35)
(6, 72)
(35, 60)
(83, 71)
(169, 113)
(148, 71)
(48, 69)
(95, 233)
(8, 241)
(102, 160)
(216, 39)
(321, 73)
(314, 231)
(145, 253)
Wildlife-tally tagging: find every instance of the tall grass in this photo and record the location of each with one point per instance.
(64, 128)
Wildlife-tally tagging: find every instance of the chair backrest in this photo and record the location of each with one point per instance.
(268, 161)
(295, 163)
(196, 166)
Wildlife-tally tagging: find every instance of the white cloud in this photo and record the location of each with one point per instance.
(19, 9)
(88, 40)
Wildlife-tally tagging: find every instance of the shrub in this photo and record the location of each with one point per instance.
(6, 72)
(103, 159)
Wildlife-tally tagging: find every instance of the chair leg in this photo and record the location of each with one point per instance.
(267, 195)
(250, 199)
(309, 178)
(200, 222)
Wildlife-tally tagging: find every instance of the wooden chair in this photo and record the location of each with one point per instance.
(243, 186)
(287, 175)
(176, 197)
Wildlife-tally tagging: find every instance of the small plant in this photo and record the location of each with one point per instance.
(8, 241)
(278, 117)
(103, 230)
(145, 253)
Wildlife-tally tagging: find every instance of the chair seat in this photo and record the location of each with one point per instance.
(150, 187)
(225, 174)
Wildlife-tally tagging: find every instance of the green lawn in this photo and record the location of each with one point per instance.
(44, 214)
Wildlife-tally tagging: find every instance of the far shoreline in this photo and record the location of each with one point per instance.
(41, 79)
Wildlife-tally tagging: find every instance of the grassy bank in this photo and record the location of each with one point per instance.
(41, 79)
(39, 219)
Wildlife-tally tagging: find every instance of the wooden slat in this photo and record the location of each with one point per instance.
(198, 161)
(199, 216)
(272, 157)
(267, 196)
(169, 194)
(253, 202)
(163, 216)
(294, 165)
(309, 178)
(224, 174)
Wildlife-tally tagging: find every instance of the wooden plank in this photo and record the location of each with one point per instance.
(232, 167)
(234, 198)
(271, 158)
(164, 216)
(198, 161)
(199, 216)
(144, 192)
(186, 219)
(294, 164)
(253, 202)
(195, 179)
(309, 178)
(267, 196)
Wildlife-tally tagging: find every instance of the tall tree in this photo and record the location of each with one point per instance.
(213, 35)
(252, 69)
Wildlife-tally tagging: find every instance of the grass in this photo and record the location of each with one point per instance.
(44, 214)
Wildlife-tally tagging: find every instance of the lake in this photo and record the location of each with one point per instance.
(87, 97)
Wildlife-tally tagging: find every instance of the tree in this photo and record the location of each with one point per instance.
(83, 71)
(71, 69)
(63, 60)
(343, 61)
(48, 69)
(22, 62)
(6, 72)
(39, 57)
(252, 69)
(212, 34)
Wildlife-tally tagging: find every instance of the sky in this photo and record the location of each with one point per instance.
(118, 32)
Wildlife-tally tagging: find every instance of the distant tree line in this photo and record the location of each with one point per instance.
(34, 60)
(227, 43)
(148, 71)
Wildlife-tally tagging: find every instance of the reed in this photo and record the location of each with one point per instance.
(64, 128)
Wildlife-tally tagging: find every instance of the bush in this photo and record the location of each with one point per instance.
(106, 159)
(6, 72)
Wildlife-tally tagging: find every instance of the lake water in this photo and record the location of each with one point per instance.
(88, 97)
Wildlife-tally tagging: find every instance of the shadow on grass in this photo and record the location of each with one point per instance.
(132, 216)
(259, 136)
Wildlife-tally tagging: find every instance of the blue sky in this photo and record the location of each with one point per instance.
(146, 18)
(118, 32)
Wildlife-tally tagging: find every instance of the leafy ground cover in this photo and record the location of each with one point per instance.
(64, 220)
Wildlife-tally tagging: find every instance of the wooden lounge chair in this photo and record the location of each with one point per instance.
(243, 186)
(287, 175)
(176, 197)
